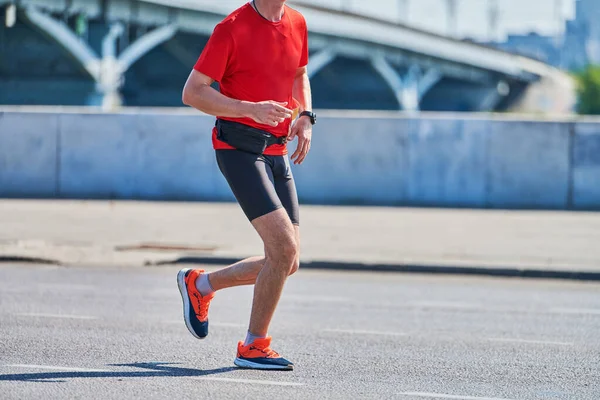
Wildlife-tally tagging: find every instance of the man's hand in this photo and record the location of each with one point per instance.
(303, 130)
(270, 113)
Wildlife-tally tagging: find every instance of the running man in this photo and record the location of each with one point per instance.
(258, 55)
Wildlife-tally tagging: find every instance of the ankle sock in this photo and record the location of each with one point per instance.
(250, 338)
(203, 285)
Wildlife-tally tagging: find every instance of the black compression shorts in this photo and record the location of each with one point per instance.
(261, 184)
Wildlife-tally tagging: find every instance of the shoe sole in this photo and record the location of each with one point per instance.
(186, 301)
(247, 364)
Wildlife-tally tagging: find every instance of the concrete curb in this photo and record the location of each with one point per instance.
(507, 272)
(29, 260)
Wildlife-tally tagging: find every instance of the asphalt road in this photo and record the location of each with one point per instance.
(99, 333)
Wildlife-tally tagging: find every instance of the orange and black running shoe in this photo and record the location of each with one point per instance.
(195, 306)
(259, 355)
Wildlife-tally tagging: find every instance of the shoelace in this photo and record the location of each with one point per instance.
(202, 305)
(269, 352)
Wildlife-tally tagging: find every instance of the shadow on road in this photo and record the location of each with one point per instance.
(498, 271)
(152, 370)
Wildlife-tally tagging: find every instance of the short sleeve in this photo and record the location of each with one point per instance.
(216, 55)
(304, 55)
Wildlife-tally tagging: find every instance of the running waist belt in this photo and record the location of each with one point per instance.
(246, 138)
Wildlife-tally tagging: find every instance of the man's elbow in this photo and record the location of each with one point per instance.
(193, 94)
(302, 73)
(186, 96)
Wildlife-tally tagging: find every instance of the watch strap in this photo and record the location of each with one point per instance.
(311, 115)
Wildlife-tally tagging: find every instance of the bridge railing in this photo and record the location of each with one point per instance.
(451, 17)
(446, 17)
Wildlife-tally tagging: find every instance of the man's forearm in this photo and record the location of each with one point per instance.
(302, 93)
(210, 101)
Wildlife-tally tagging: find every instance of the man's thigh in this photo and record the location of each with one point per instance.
(251, 180)
(285, 186)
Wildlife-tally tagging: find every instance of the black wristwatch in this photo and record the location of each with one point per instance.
(311, 115)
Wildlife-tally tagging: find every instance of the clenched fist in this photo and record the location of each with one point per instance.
(270, 113)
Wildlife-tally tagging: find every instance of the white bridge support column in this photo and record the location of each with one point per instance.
(111, 78)
(108, 71)
(70, 42)
(495, 96)
(410, 88)
(319, 61)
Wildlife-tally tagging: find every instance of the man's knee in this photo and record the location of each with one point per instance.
(295, 266)
(284, 252)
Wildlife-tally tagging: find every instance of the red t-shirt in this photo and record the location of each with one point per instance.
(256, 60)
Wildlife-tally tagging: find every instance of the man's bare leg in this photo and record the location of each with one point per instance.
(282, 254)
(281, 247)
(241, 273)
(282, 241)
(246, 271)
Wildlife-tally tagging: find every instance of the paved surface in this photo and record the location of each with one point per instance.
(98, 333)
(81, 232)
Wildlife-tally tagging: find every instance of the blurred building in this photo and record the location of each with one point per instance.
(574, 53)
(588, 15)
(576, 48)
(582, 36)
(534, 45)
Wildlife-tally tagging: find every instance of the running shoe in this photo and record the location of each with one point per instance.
(259, 355)
(195, 306)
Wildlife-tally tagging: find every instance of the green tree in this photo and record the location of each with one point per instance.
(588, 89)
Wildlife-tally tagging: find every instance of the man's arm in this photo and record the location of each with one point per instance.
(303, 127)
(199, 94)
(301, 90)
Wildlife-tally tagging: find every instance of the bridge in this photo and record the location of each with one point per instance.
(139, 52)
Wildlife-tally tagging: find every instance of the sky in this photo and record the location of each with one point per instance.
(515, 16)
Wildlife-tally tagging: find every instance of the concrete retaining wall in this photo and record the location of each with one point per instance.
(586, 166)
(446, 163)
(382, 159)
(348, 165)
(137, 156)
(528, 164)
(28, 154)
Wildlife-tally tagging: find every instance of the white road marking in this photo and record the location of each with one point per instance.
(65, 316)
(228, 325)
(250, 381)
(446, 305)
(364, 332)
(65, 287)
(582, 311)
(315, 299)
(54, 368)
(515, 340)
(218, 324)
(448, 396)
